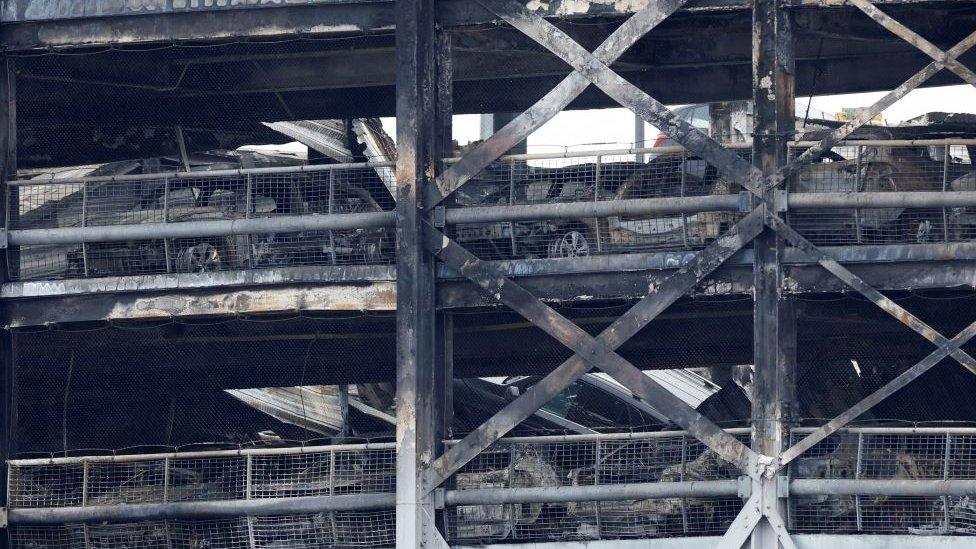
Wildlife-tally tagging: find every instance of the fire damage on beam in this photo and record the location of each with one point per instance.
(714, 297)
(124, 101)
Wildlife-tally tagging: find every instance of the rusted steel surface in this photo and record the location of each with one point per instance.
(590, 352)
(552, 103)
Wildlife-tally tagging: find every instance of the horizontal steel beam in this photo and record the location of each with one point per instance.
(486, 496)
(922, 199)
(486, 214)
(606, 492)
(882, 487)
(194, 229)
(709, 203)
(602, 208)
(200, 509)
(51, 179)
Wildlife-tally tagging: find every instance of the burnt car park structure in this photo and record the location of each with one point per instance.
(213, 341)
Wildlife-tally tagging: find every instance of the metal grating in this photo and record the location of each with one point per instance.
(925, 454)
(557, 461)
(601, 460)
(192, 196)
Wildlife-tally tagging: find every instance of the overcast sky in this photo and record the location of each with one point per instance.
(579, 130)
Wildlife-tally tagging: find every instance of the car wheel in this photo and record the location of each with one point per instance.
(200, 258)
(571, 244)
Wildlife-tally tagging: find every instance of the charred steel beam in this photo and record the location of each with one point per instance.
(551, 104)
(417, 426)
(9, 384)
(190, 229)
(597, 352)
(607, 492)
(627, 94)
(773, 394)
(866, 115)
(948, 60)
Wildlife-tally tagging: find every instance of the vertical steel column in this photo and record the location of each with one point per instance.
(8, 356)
(639, 138)
(773, 319)
(417, 143)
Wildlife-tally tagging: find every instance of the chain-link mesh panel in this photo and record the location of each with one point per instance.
(593, 177)
(880, 168)
(542, 463)
(185, 198)
(885, 454)
(204, 476)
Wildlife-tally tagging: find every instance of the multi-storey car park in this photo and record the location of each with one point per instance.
(756, 336)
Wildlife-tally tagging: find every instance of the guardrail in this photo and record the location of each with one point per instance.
(522, 207)
(602, 486)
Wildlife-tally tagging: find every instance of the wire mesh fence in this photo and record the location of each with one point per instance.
(203, 476)
(880, 167)
(593, 177)
(192, 196)
(592, 461)
(913, 454)
(523, 462)
(669, 172)
(600, 176)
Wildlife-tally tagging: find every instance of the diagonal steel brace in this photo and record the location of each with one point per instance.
(619, 332)
(727, 162)
(594, 351)
(945, 348)
(950, 62)
(625, 36)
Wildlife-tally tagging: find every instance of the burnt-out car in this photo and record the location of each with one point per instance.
(872, 167)
(204, 197)
(58, 199)
(903, 166)
(666, 175)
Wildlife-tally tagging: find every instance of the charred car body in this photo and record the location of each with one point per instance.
(191, 197)
(851, 168)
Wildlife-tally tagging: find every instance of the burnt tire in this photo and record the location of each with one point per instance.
(571, 243)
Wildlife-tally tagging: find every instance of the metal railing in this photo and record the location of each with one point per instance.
(332, 214)
(521, 207)
(600, 486)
